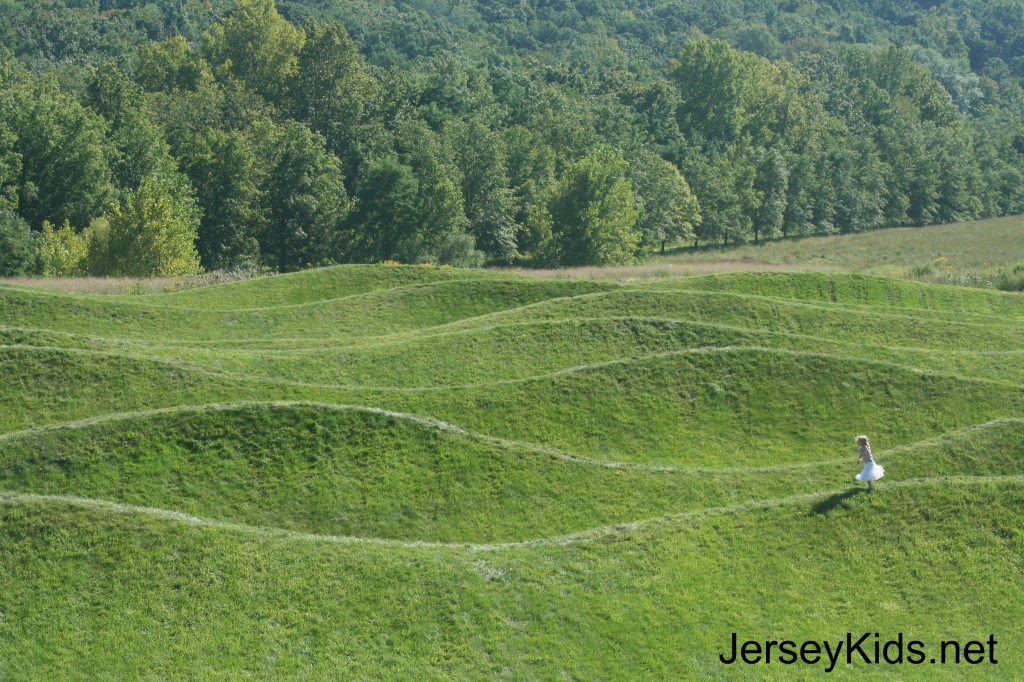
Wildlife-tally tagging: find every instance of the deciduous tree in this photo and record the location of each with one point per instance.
(593, 212)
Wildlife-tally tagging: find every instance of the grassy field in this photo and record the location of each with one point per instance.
(387, 472)
(984, 253)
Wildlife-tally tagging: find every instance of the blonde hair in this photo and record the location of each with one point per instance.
(862, 440)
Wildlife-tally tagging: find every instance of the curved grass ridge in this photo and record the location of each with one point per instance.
(769, 314)
(287, 289)
(851, 288)
(434, 304)
(523, 350)
(445, 427)
(345, 281)
(553, 374)
(369, 314)
(308, 286)
(402, 475)
(588, 535)
(375, 473)
(534, 610)
(691, 407)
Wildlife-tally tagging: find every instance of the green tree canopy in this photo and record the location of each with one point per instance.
(386, 216)
(332, 90)
(258, 46)
(669, 209)
(153, 233)
(307, 200)
(61, 145)
(593, 212)
(17, 246)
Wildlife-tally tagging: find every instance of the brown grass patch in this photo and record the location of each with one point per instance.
(118, 286)
(94, 285)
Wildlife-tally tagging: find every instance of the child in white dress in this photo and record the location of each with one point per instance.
(871, 471)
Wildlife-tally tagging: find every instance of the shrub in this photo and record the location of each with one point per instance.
(922, 271)
(1011, 279)
(62, 251)
(460, 251)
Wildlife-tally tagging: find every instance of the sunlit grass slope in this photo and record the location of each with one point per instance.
(912, 328)
(696, 408)
(860, 289)
(423, 473)
(516, 351)
(91, 591)
(358, 472)
(371, 313)
(312, 285)
(509, 350)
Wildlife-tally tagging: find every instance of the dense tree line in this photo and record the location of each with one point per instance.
(169, 137)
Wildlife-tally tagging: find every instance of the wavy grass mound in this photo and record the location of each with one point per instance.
(864, 290)
(411, 307)
(390, 472)
(93, 590)
(308, 286)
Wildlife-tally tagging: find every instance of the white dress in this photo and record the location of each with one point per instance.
(871, 471)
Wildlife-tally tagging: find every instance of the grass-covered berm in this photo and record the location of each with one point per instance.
(387, 472)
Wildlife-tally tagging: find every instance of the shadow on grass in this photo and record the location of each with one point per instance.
(833, 501)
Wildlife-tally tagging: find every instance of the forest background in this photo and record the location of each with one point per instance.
(163, 138)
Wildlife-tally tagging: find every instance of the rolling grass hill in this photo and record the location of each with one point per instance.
(420, 473)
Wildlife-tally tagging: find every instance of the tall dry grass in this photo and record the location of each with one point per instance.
(119, 286)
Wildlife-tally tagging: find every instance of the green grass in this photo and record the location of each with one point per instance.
(765, 314)
(300, 288)
(512, 350)
(422, 473)
(975, 254)
(90, 592)
(372, 313)
(367, 474)
(696, 408)
(863, 290)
